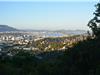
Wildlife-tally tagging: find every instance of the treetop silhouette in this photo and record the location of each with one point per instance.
(94, 23)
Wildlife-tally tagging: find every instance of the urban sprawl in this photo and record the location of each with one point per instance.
(37, 42)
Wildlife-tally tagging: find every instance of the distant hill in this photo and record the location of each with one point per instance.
(69, 32)
(5, 28)
(72, 32)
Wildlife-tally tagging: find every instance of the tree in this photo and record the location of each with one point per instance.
(94, 23)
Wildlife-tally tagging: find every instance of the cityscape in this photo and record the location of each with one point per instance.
(53, 37)
(37, 41)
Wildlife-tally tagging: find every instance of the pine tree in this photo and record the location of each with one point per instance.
(94, 23)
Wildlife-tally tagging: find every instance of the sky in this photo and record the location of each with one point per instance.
(52, 0)
(47, 15)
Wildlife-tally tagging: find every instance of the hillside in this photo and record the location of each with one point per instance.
(82, 59)
(5, 28)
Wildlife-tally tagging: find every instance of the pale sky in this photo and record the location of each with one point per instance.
(53, 0)
(52, 15)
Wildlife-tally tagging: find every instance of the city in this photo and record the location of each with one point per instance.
(37, 42)
(49, 37)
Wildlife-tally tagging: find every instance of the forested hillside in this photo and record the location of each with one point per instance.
(82, 59)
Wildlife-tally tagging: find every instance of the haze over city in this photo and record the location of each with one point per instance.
(49, 37)
(47, 15)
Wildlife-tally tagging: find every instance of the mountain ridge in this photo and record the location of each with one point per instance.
(5, 28)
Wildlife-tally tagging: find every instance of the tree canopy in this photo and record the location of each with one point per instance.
(94, 23)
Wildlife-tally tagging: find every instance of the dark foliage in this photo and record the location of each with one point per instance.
(93, 23)
(82, 59)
